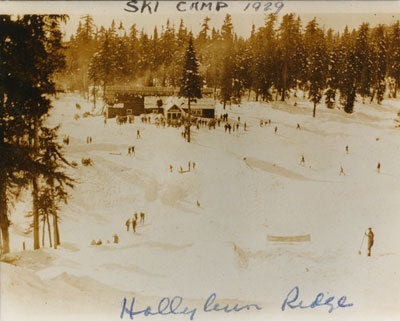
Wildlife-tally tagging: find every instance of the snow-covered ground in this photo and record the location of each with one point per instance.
(221, 246)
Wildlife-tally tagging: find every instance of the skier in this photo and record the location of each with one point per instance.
(237, 126)
(198, 203)
(90, 139)
(261, 123)
(136, 216)
(378, 168)
(142, 218)
(194, 165)
(370, 236)
(342, 171)
(302, 160)
(276, 129)
(298, 126)
(129, 150)
(128, 223)
(138, 134)
(189, 165)
(181, 169)
(170, 168)
(245, 126)
(347, 149)
(134, 225)
(133, 150)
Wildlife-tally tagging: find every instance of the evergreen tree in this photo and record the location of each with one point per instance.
(378, 62)
(394, 56)
(316, 62)
(190, 81)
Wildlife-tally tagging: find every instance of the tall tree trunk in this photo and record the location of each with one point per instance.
(56, 231)
(284, 82)
(35, 191)
(395, 90)
(43, 229)
(188, 121)
(4, 222)
(314, 110)
(49, 230)
(94, 97)
(248, 98)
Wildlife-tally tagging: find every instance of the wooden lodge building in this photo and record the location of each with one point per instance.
(129, 100)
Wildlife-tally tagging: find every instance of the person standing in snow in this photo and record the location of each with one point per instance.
(134, 223)
(189, 165)
(129, 150)
(128, 223)
(194, 165)
(138, 134)
(347, 149)
(245, 126)
(342, 171)
(136, 216)
(133, 150)
(302, 160)
(370, 236)
(276, 129)
(142, 218)
(378, 168)
(298, 126)
(170, 168)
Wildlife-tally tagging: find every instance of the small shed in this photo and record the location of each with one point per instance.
(174, 112)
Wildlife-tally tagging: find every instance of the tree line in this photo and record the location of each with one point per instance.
(275, 60)
(31, 158)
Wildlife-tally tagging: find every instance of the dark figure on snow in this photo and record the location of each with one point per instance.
(170, 168)
(347, 149)
(194, 165)
(105, 121)
(129, 150)
(189, 165)
(90, 139)
(298, 126)
(142, 218)
(370, 236)
(138, 134)
(302, 160)
(181, 169)
(128, 223)
(136, 216)
(133, 150)
(229, 128)
(342, 171)
(378, 168)
(245, 126)
(99, 242)
(198, 203)
(134, 223)
(261, 123)
(237, 126)
(238, 118)
(116, 238)
(276, 129)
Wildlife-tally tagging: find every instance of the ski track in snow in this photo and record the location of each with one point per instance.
(221, 246)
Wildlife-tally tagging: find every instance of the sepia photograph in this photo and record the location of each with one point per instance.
(199, 160)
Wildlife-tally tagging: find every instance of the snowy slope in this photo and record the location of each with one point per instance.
(221, 246)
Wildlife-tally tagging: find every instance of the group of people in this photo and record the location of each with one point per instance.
(89, 140)
(190, 165)
(131, 150)
(134, 221)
